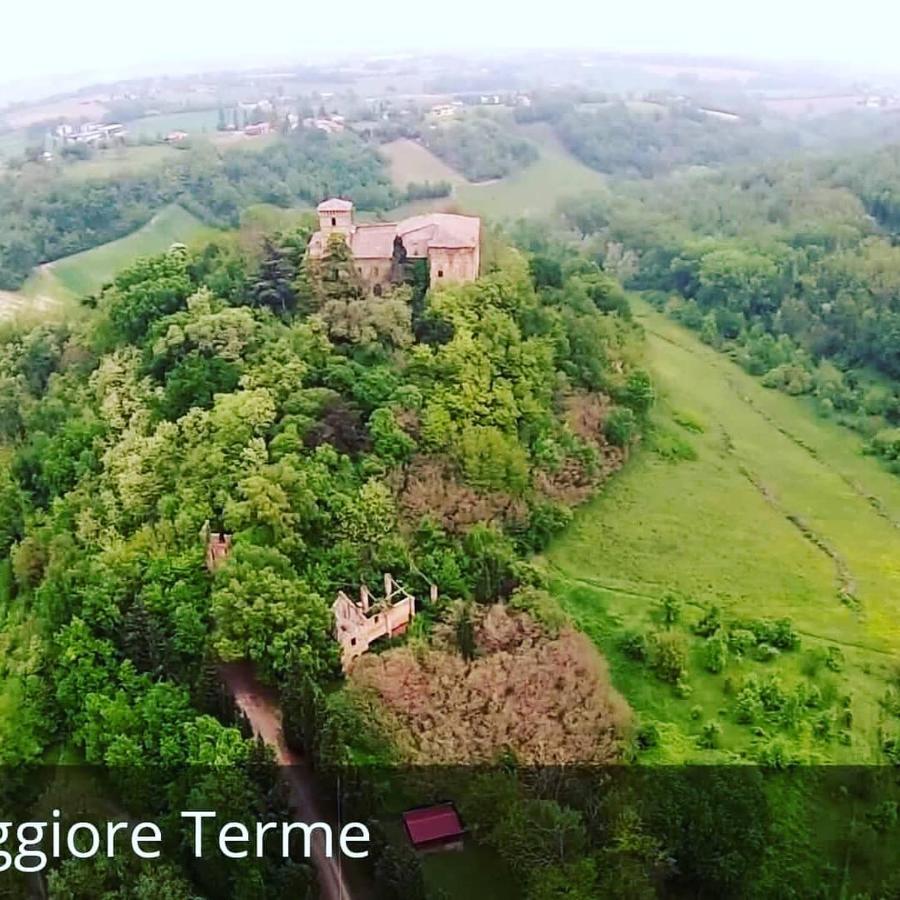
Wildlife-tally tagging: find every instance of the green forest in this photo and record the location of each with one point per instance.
(640, 475)
(48, 218)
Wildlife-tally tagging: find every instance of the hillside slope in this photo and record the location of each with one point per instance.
(778, 516)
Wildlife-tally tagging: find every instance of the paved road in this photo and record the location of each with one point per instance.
(261, 708)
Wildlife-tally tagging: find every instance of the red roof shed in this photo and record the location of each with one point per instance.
(432, 825)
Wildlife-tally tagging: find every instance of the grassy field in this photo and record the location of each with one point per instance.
(410, 161)
(84, 273)
(193, 122)
(52, 289)
(12, 143)
(531, 192)
(779, 515)
(115, 161)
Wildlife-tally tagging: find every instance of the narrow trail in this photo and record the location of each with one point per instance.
(261, 708)
(597, 584)
(846, 582)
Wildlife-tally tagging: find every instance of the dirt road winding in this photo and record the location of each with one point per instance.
(261, 707)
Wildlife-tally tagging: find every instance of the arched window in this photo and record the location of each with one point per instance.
(440, 273)
(377, 290)
(333, 221)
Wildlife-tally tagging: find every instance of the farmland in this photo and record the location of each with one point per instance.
(778, 515)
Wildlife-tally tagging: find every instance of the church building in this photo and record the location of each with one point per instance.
(450, 243)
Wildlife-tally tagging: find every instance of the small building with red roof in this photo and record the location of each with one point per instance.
(434, 827)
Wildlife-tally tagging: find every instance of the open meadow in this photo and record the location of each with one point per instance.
(52, 288)
(532, 192)
(744, 500)
(409, 161)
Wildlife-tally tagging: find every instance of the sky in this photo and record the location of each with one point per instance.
(44, 40)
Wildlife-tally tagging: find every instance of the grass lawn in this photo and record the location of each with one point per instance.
(532, 192)
(194, 122)
(778, 514)
(410, 161)
(121, 161)
(52, 290)
(84, 273)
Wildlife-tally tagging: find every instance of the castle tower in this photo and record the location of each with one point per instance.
(335, 215)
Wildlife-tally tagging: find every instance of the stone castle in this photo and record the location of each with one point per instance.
(450, 243)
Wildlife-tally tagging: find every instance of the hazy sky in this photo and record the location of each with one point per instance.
(41, 38)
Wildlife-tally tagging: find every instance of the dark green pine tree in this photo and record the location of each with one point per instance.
(261, 767)
(210, 694)
(141, 639)
(274, 284)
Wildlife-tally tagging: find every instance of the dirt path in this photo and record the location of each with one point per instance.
(260, 706)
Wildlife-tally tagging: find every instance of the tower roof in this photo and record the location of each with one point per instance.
(334, 204)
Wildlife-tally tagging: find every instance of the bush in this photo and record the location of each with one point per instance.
(668, 657)
(620, 426)
(715, 654)
(634, 645)
(647, 736)
(709, 736)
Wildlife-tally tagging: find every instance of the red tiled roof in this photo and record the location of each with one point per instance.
(334, 204)
(447, 229)
(432, 823)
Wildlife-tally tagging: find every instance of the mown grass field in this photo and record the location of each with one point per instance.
(52, 289)
(532, 192)
(779, 515)
(194, 122)
(84, 273)
(116, 161)
(409, 161)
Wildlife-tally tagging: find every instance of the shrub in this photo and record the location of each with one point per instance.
(647, 736)
(710, 623)
(620, 426)
(715, 654)
(668, 658)
(634, 645)
(709, 736)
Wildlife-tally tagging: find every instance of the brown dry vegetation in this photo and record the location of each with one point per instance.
(574, 481)
(547, 699)
(429, 488)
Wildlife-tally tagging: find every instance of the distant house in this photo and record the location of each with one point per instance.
(331, 125)
(173, 137)
(450, 243)
(434, 827)
(92, 133)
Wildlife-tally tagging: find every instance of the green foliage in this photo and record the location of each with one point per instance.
(480, 148)
(44, 221)
(715, 653)
(620, 426)
(668, 656)
(492, 460)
